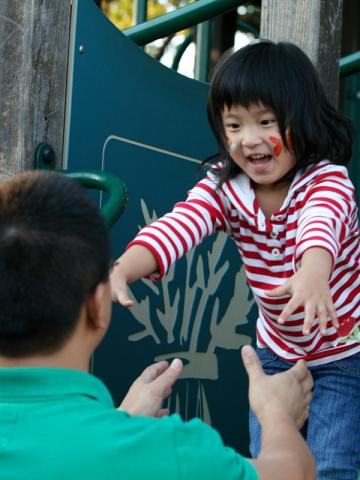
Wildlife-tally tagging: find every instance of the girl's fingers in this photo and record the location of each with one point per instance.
(123, 299)
(278, 291)
(290, 308)
(332, 314)
(309, 317)
(322, 318)
(127, 303)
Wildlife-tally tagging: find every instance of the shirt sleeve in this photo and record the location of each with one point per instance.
(174, 234)
(202, 455)
(328, 214)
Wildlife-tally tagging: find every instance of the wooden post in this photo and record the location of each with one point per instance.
(315, 26)
(34, 37)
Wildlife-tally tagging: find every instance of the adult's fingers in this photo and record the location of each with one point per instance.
(165, 381)
(251, 363)
(153, 371)
(163, 412)
(300, 371)
(308, 383)
(308, 397)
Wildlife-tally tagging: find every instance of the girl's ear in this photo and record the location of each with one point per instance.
(289, 141)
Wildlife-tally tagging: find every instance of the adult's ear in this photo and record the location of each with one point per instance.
(98, 306)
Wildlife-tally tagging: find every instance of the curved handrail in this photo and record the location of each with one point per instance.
(179, 19)
(116, 188)
(349, 64)
(97, 179)
(181, 50)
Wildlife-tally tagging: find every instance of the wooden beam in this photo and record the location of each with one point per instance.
(315, 26)
(34, 38)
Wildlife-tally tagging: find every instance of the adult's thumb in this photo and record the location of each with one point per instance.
(251, 362)
(167, 379)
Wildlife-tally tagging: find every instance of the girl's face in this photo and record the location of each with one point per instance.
(256, 146)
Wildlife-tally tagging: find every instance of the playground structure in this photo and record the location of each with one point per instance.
(124, 113)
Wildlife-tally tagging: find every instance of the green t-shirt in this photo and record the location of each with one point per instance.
(61, 424)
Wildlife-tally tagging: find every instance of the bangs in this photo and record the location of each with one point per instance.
(258, 74)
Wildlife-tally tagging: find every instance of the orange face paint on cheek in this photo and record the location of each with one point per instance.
(278, 145)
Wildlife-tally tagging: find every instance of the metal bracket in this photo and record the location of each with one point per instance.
(44, 157)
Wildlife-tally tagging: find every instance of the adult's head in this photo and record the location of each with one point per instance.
(54, 252)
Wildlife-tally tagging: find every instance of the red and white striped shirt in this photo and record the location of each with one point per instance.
(319, 211)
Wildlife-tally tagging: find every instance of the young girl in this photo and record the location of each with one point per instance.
(282, 193)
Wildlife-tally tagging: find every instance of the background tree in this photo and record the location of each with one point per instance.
(224, 27)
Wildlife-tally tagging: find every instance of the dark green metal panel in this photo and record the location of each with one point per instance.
(132, 117)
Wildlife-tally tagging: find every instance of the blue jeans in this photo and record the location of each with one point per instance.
(332, 431)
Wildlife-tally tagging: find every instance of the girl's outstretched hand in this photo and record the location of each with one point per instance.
(309, 288)
(135, 263)
(119, 288)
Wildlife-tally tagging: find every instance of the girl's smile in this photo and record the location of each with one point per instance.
(255, 144)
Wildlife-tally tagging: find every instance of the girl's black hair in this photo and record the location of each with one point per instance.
(280, 77)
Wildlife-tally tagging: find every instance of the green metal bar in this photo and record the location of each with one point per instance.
(202, 51)
(179, 19)
(180, 50)
(106, 182)
(139, 11)
(96, 179)
(350, 64)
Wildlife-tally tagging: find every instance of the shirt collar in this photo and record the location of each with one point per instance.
(242, 195)
(26, 383)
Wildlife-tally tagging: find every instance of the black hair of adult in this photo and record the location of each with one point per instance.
(54, 250)
(282, 78)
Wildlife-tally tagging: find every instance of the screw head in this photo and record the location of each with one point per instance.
(82, 49)
(48, 155)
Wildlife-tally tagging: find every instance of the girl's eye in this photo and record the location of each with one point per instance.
(233, 126)
(267, 121)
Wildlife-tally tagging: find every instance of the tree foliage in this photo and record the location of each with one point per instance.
(121, 12)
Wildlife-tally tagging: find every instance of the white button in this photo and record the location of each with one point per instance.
(275, 252)
(278, 218)
(274, 234)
